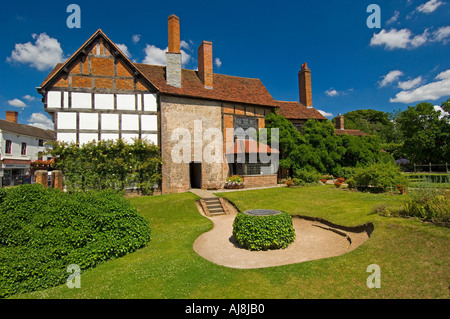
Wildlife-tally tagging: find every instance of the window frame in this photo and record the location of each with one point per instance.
(8, 147)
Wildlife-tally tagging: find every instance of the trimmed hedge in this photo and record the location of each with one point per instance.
(43, 231)
(263, 232)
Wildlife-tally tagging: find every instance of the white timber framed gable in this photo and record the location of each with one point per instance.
(98, 94)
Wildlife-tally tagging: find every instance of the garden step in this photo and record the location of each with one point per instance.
(214, 206)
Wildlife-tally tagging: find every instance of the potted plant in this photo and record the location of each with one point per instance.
(234, 182)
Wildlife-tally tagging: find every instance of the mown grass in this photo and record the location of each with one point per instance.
(413, 257)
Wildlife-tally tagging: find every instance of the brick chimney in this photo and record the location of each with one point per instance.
(304, 83)
(339, 122)
(205, 64)
(173, 56)
(11, 116)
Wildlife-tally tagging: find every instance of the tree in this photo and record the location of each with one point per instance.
(426, 133)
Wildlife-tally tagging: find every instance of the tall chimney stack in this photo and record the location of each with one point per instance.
(11, 116)
(205, 64)
(339, 122)
(304, 82)
(173, 56)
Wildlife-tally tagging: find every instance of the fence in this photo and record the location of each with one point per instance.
(430, 168)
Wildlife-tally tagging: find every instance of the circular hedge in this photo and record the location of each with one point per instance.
(264, 232)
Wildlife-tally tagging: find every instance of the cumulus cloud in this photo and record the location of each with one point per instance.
(407, 85)
(429, 6)
(391, 77)
(157, 56)
(398, 39)
(331, 92)
(41, 121)
(218, 62)
(124, 49)
(430, 91)
(29, 98)
(440, 109)
(17, 103)
(326, 114)
(43, 54)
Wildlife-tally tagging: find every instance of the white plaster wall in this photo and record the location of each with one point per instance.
(66, 137)
(53, 99)
(149, 102)
(110, 121)
(151, 138)
(66, 100)
(67, 120)
(109, 136)
(89, 121)
(149, 122)
(81, 100)
(87, 137)
(129, 137)
(104, 101)
(130, 122)
(126, 102)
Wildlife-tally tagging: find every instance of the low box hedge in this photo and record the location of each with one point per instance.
(43, 231)
(263, 232)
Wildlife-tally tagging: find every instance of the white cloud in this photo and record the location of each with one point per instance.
(393, 18)
(218, 62)
(392, 76)
(331, 92)
(157, 56)
(429, 6)
(29, 98)
(407, 85)
(398, 39)
(17, 103)
(442, 34)
(124, 49)
(136, 38)
(430, 91)
(41, 121)
(326, 114)
(43, 54)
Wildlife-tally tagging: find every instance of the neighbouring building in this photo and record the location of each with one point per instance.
(341, 130)
(99, 93)
(20, 145)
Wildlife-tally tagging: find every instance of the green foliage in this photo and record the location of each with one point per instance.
(318, 148)
(307, 175)
(379, 176)
(108, 165)
(373, 122)
(346, 172)
(426, 133)
(263, 232)
(43, 231)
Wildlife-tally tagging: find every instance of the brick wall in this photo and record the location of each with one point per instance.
(260, 180)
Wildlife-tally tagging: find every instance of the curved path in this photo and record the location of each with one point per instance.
(314, 240)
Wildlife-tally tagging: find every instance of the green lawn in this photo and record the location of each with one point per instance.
(414, 257)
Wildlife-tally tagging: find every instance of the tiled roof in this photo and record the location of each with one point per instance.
(297, 111)
(225, 87)
(350, 132)
(250, 146)
(28, 130)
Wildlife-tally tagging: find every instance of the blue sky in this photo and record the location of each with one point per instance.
(404, 62)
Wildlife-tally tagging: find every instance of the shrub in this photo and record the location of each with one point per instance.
(346, 172)
(263, 232)
(308, 176)
(43, 231)
(428, 204)
(351, 183)
(379, 176)
(337, 184)
(324, 180)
